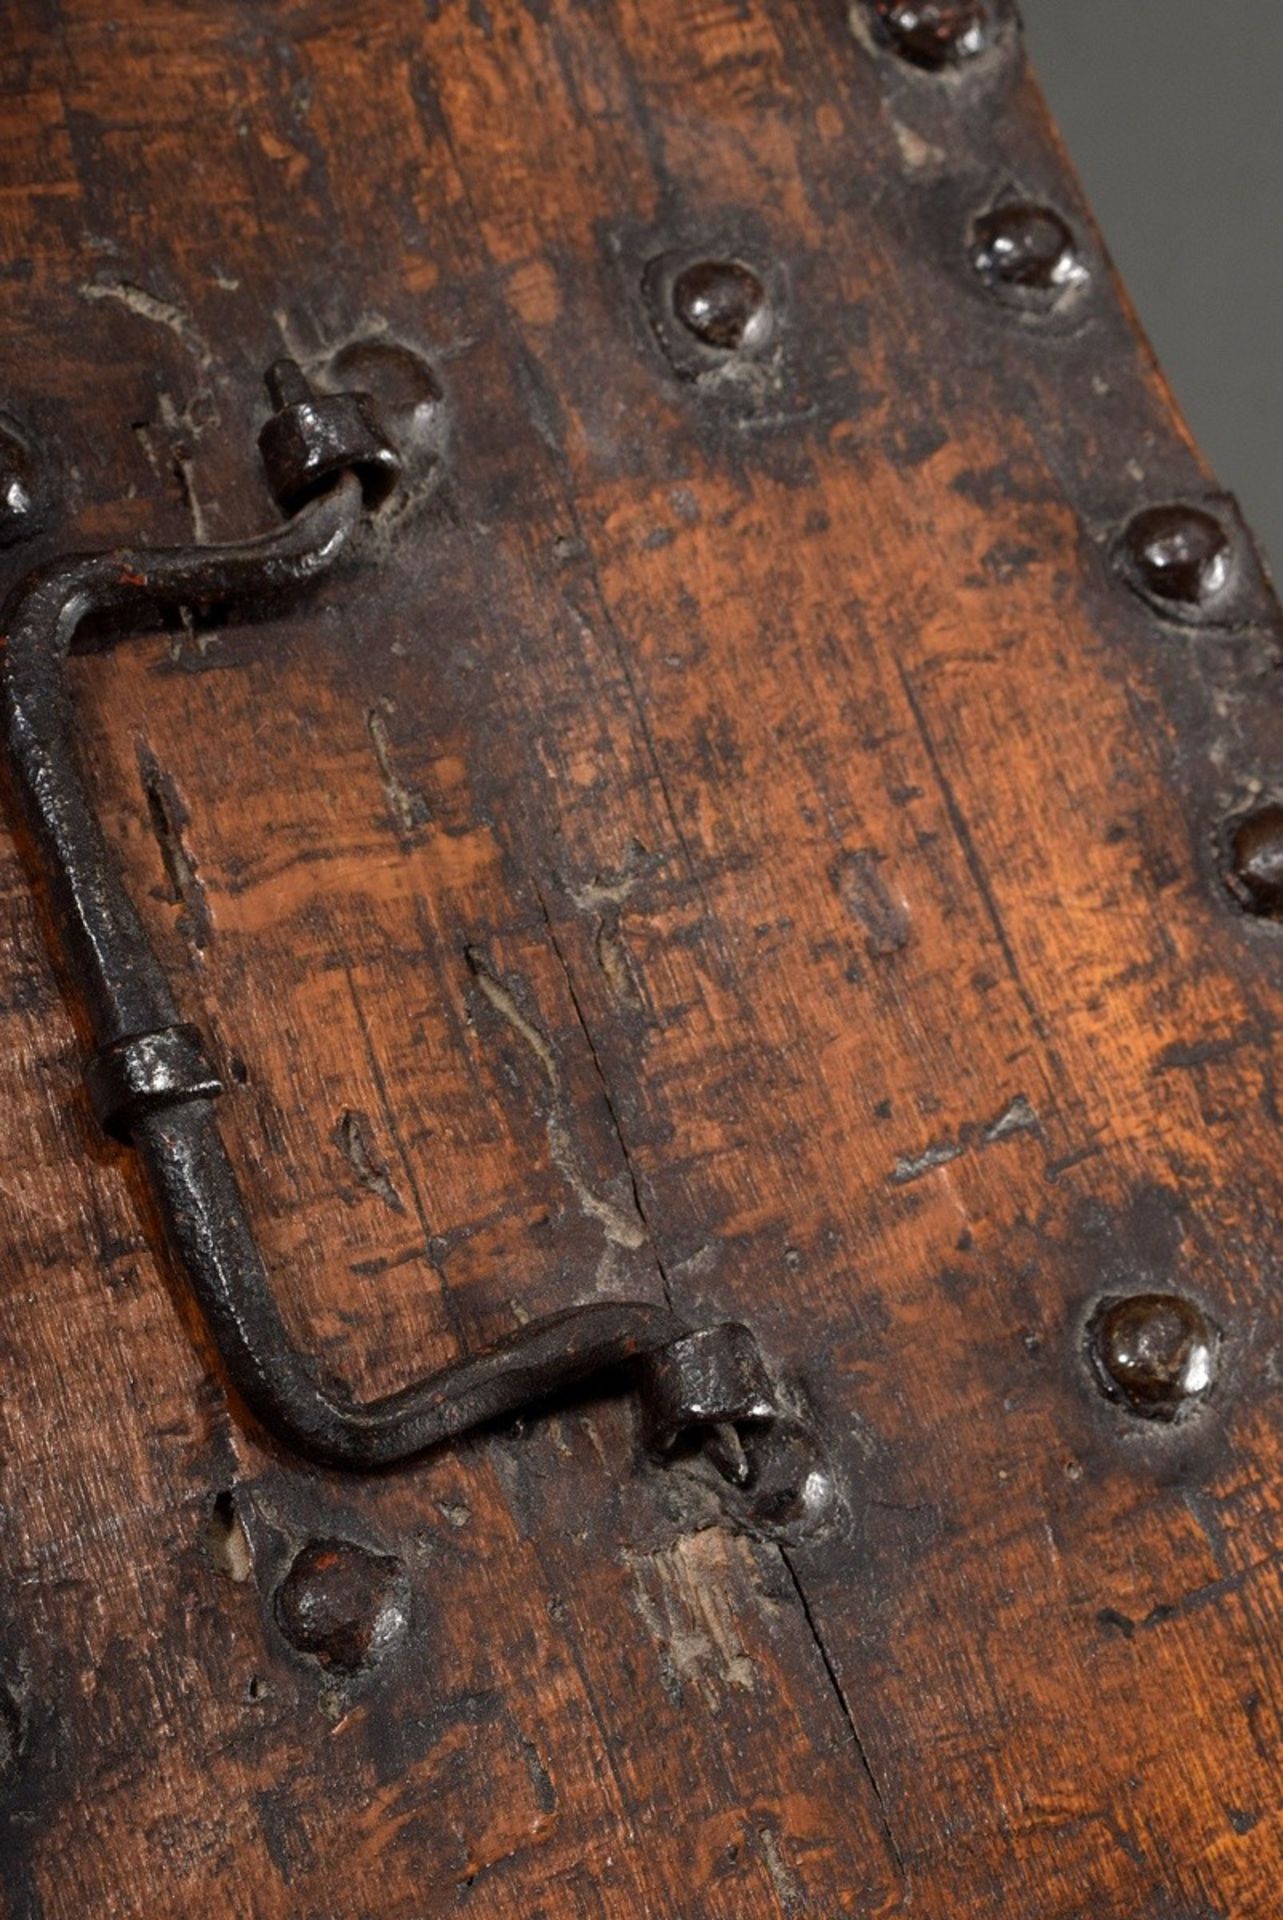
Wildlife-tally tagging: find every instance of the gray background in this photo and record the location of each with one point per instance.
(1171, 109)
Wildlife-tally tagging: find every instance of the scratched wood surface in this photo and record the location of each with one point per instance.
(731, 838)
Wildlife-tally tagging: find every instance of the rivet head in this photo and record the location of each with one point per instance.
(791, 1491)
(722, 303)
(1256, 861)
(342, 1604)
(1026, 254)
(932, 33)
(1156, 1352)
(1180, 554)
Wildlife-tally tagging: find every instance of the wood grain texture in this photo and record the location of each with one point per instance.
(726, 842)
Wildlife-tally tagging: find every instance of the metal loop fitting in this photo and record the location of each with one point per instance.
(150, 1080)
(311, 439)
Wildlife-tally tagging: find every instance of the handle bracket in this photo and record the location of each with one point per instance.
(151, 1083)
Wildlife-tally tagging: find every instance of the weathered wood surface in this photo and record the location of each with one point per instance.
(743, 844)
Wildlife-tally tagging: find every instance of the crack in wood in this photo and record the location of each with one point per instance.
(622, 1228)
(408, 806)
(612, 889)
(353, 1136)
(1194, 1601)
(169, 821)
(393, 1130)
(1017, 1117)
(227, 1539)
(161, 313)
(844, 1705)
(789, 1890)
(615, 961)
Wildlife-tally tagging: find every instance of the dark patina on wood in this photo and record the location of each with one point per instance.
(779, 818)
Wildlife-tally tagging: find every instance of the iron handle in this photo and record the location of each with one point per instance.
(151, 1081)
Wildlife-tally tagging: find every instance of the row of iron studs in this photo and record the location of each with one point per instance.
(1154, 1353)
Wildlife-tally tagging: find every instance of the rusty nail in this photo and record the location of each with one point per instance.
(287, 384)
(342, 1604)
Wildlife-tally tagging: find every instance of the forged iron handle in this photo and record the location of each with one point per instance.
(152, 1084)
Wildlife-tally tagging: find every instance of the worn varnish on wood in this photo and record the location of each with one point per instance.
(752, 831)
